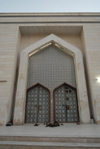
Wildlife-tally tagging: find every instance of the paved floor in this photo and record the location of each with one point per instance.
(66, 130)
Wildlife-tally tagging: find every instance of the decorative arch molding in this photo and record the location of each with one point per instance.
(19, 113)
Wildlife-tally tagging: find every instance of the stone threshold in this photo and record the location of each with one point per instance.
(66, 130)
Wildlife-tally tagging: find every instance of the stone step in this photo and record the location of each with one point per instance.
(51, 139)
(46, 145)
(28, 142)
(64, 137)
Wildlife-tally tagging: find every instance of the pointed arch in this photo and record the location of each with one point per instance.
(39, 84)
(19, 113)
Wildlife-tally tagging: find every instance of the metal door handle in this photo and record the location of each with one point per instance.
(67, 107)
(67, 98)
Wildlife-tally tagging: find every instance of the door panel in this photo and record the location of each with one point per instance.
(65, 104)
(37, 105)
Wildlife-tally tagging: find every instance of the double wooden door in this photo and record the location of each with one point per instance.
(38, 104)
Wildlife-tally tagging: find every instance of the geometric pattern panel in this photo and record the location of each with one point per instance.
(51, 67)
(66, 107)
(37, 104)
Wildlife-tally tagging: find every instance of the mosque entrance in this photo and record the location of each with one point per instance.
(65, 104)
(37, 104)
(51, 67)
(51, 62)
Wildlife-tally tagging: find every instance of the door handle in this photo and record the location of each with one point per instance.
(67, 98)
(67, 107)
(39, 108)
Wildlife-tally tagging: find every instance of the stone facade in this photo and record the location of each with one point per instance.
(23, 34)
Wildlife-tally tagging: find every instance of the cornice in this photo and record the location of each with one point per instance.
(22, 18)
(85, 14)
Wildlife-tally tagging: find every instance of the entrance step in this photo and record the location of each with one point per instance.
(50, 139)
(67, 136)
(47, 145)
(28, 142)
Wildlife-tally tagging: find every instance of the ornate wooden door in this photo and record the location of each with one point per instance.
(37, 104)
(65, 104)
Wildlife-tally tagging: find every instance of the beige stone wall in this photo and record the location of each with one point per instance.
(92, 51)
(8, 45)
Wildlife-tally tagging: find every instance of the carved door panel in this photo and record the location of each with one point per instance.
(37, 105)
(65, 107)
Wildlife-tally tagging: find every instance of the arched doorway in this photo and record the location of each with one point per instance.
(51, 67)
(65, 104)
(36, 48)
(37, 104)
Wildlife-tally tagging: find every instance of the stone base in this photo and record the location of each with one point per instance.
(46, 145)
(67, 136)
